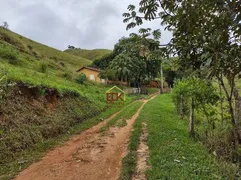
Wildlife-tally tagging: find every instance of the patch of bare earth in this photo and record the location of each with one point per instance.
(142, 156)
(88, 156)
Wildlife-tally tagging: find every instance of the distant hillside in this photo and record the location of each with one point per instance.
(89, 54)
(37, 65)
(53, 56)
(25, 60)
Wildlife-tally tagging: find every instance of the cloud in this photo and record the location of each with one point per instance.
(59, 23)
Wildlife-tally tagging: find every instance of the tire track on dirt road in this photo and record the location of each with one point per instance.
(87, 156)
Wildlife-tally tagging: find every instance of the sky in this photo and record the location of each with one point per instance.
(85, 24)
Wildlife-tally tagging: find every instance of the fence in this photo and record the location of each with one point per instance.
(143, 90)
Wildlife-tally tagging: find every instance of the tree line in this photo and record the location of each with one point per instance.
(206, 40)
(135, 59)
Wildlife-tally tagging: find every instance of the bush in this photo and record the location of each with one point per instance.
(81, 78)
(9, 53)
(35, 54)
(43, 67)
(67, 75)
(30, 47)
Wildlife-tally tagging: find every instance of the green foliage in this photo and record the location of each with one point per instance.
(31, 61)
(27, 47)
(43, 67)
(153, 90)
(134, 59)
(68, 75)
(201, 91)
(172, 152)
(103, 62)
(109, 74)
(2, 82)
(89, 54)
(81, 78)
(206, 38)
(124, 65)
(9, 53)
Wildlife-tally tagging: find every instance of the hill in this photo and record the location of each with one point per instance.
(25, 60)
(89, 54)
(39, 51)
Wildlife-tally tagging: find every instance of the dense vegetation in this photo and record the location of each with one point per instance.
(135, 59)
(201, 62)
(172, 152)
(206, 40)
(89, 54)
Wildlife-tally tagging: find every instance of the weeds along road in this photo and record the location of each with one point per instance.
(90, 155)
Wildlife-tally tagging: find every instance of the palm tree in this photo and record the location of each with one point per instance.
(124, 66)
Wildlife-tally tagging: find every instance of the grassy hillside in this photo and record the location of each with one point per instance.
(28, 61)
(40, 100)
(89, 54)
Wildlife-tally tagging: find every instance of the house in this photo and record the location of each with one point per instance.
(91, 73)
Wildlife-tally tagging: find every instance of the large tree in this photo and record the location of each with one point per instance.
(134, 58)
(206, 37)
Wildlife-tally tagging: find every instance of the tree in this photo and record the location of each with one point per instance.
(5, 25)
(103, 62)
(108, 74)
(71, 47)
(206, 38)
(194, 93)
(124, 66)
(134, 58)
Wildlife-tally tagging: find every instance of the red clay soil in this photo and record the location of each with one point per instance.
(88, 156)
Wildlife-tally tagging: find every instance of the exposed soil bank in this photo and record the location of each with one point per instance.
(32, 115)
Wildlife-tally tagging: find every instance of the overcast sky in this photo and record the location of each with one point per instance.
(87, 24)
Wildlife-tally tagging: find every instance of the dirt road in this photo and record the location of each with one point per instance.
(88, 156)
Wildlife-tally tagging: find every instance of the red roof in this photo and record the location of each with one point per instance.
(90, 68)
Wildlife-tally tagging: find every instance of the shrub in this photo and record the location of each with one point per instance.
(81, 78)
(43, 67)
(30, 47)
(67, 75)
(35, 54)
(9, 53)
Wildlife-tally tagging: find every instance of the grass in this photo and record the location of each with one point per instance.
(89, 54)
(28, 61)
(173, 155)
(34, 153)
(121, 118)
(40, 51)
(129, 161)
(24, 60)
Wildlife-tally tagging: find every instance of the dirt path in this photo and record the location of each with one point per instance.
(142, 156)
(88, 156)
